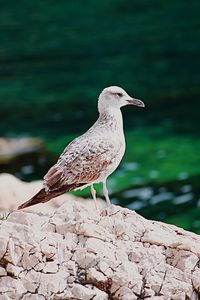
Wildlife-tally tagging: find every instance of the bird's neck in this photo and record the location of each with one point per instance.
(112, 119)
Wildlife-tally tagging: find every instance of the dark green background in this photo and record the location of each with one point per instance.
(56, 57)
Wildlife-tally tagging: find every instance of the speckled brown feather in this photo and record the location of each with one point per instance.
(43, 196)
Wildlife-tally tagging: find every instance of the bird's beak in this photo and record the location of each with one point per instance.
(133, 101)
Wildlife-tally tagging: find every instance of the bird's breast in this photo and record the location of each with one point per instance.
(118, 148)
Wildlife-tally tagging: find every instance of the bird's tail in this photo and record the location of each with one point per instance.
(44, 196)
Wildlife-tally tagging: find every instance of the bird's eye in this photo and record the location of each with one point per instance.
(119, 94)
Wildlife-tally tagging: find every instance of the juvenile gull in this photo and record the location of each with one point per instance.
(93, 156)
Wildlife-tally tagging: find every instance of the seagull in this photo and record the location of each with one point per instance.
(93, 156)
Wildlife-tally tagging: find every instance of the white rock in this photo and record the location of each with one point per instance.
(125, 293)
(13, 270)
(84, 258)
(33, 297)
(2, 271)
(71, 267)
(31, 261)
(4, 297)
(3, 245)
(12, 255)
(11, 287)
(185, 260)
(82, 292)
(94, 275)
(31, 280)
(29, 219)
(77, 254)
(50, 267)
(100, 295)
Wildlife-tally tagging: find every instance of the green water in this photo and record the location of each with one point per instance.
(55, 58)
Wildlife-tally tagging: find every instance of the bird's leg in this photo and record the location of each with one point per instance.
(93, 192)
(105, 192)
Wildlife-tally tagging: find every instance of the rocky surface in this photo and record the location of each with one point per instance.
(77, 253)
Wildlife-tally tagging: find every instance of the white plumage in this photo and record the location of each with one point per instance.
(93, 156)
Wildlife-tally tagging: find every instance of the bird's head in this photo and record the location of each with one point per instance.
(116, 97)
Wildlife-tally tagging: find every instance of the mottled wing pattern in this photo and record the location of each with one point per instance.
(82, 161)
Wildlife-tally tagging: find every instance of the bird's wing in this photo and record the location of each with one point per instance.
(81, 162)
